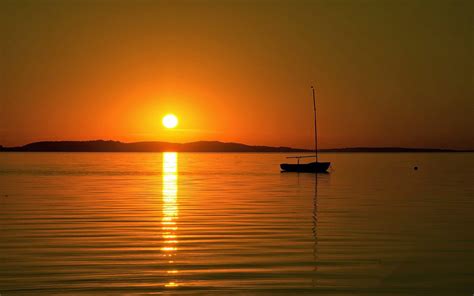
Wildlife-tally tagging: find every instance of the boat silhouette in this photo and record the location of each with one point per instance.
(312, 167)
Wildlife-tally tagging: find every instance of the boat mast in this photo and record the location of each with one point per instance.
(315, 129)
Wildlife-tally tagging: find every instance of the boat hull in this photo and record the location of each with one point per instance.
(312, 167)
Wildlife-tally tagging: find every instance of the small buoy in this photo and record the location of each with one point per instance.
(415, 168)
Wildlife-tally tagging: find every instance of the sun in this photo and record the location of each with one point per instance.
(170, 121)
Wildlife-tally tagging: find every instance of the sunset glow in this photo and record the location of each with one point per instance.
(170, 121)
(228, 79)
(257, 147)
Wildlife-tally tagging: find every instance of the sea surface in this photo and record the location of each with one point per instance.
(232, 224)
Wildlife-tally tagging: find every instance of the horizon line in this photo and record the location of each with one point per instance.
(341, 148)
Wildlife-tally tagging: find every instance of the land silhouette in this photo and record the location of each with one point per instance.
(199, 146)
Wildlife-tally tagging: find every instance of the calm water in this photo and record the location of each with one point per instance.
(150, 223)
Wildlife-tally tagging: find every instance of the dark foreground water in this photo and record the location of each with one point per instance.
(150, 223)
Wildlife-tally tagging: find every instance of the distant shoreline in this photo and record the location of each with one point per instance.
(200, 146)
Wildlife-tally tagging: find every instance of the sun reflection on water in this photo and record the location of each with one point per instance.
(169, 224)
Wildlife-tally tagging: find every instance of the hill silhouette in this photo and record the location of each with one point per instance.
(388, 149)
(115, 146)
(200, 146)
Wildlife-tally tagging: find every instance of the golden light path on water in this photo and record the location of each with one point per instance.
(169, 224)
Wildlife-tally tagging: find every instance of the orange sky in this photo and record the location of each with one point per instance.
(387, 73)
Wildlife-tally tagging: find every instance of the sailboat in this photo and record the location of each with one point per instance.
(312, 167)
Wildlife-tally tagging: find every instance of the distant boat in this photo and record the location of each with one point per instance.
(312, 167)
